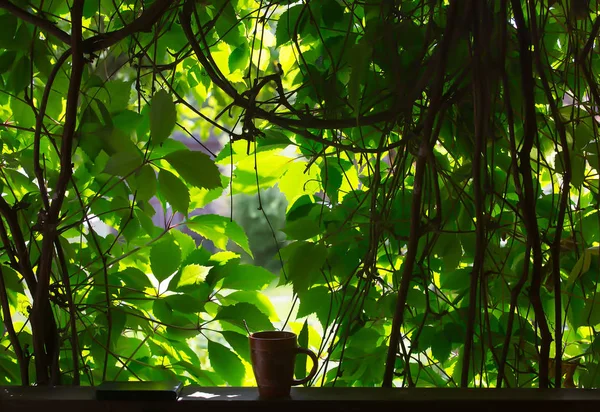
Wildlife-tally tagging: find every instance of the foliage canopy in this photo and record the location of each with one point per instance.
(439, 160)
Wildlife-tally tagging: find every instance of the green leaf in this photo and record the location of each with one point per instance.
(228, 27)
(239, 59)
(163, 116)
(146, 183)
(360, 58)
(300, 367)
(118, 95)
(304, 265)
(331, 176)
(8, 22)
(246, 277)
(583, 135)
(13, 284)
(577, 171)
(134, 278)
(219, 230)
(196, 168)
(192, 275)
(174, 191)
(165, 257)
(457, 280)
(184, 303)
(302, 229)
(236, 314)
(365, 339)
(441, 347)
(258, 299)
(20, 75)
(162, 311)
(313, 300)
(123, 163)
(288, 22)
(22, 113)
(332, 12)
(186, 243)
(7, 59)
(226, 363)
(591, 313)
(423, 340)
(239, 343)
(449, 249)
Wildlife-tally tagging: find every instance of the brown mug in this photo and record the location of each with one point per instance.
(273, 356)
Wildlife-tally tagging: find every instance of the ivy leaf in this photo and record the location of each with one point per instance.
(174, 191)
(441, 347)
(8, 22)
(226, 363)
(184, 303)
(236, 314)
(331, 176)
(134, 278)
(20, 75)
(300, 367)
(246, 277)
(424, 340)
(7, 59)
(332, 12)
(303, 228)
(577, 171)
(313, 300)
(360, 58)
(258, 299)
(219, 229)
(304, 265)
(22, 113)
(228, 27)
(163, 116)
(123, 163)
(162, 311)
(288, 21)
(196, 168)
(165, 257)
(239, 59)
(457, 280)
(192, 275)
(12, 284)
(239, 343)
(146, 183)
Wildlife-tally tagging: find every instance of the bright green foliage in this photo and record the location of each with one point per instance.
(438, 160)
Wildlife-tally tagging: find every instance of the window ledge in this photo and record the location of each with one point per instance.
(195, 398)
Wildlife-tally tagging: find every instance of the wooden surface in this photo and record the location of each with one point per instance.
(200, 399)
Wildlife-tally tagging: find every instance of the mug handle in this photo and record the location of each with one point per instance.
(313, 371)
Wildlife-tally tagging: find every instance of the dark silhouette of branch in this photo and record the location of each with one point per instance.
(481, 106)
(564, 196)
(516, 290)
(22, 359)
(39, 123)
(298, 126)
(529, 213)
(98, 42)
(45, 25)
(142, 24)
(50, 220)
(433, 113)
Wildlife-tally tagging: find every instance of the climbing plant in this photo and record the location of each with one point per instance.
(438, 159)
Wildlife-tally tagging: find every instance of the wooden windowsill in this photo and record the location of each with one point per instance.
(194, 398)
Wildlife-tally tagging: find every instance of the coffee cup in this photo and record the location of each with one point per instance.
(273, 355)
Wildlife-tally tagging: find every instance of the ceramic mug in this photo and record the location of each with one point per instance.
(273, 355)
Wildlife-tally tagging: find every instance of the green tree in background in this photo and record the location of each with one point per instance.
(438, 159)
